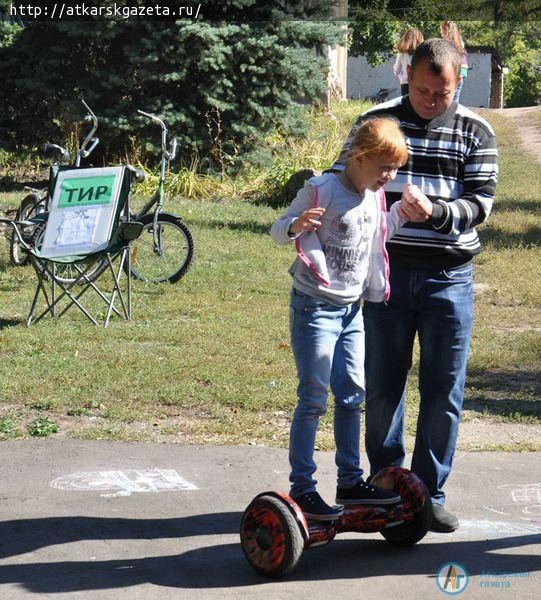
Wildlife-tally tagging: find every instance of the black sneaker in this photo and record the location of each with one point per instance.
(366, 493)
(442, 520)
(314, 507)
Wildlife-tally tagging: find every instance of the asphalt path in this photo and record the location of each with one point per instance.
(103, 520)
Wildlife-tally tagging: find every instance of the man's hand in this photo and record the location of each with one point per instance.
(414, 205)
(308, 221)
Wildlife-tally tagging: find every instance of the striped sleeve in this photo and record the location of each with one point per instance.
(480, 175)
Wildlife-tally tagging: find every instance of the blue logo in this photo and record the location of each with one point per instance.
(452, 578)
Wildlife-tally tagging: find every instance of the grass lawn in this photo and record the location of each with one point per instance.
(207, 360)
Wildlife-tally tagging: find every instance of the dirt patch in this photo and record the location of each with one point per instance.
(483, 434)
(526, 122)
(193, 426)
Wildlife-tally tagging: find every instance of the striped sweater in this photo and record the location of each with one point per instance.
(453, 159)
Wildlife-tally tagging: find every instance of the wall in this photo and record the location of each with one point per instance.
(364, 81)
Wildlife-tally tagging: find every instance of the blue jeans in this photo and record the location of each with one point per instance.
(328, 346)
(456, 97)
(438, 306)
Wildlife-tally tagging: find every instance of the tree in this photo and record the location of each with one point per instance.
(513, 29)
(376, 25)
(8, 26)
(518, 47)
(220, 84)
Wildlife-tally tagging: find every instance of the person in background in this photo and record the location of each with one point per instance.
(450, 32)
(406, 47)
(452, 162)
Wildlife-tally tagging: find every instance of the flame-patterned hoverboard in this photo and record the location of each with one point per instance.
(274, 531)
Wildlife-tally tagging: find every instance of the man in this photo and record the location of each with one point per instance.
(453, 162)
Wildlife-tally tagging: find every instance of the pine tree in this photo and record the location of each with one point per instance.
(8, 26)
(220, 84)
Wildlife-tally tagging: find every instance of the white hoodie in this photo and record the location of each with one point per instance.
(351, 251)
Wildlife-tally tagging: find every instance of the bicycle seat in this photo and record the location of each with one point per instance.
(55, 152)
(138, 174)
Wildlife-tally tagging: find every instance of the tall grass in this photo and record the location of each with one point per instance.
(316, 151)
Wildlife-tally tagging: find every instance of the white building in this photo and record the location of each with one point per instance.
(482, 86)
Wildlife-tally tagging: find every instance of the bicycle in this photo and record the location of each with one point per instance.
(165, 249)
(35, 203)
(32, 212)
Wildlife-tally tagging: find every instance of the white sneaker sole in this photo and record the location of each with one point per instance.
(369, 502)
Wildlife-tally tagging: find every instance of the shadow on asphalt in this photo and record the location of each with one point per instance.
(223, 565)
(27, 535)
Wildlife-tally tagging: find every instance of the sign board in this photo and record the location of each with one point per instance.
(82, 211)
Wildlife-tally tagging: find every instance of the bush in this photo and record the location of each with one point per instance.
(522, 87)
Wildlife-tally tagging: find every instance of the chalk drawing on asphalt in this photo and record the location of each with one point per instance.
(527, 495)
(124, 483)
(498, 512)
(486, 529)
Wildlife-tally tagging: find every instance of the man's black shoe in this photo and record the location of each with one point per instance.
(442, 520)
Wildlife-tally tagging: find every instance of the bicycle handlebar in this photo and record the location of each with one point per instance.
(84, 153)
(153, 117)
(90, 137)
(172, 153)
(167, 154)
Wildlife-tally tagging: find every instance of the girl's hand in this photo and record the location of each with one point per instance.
(414, 205)
(308, 221)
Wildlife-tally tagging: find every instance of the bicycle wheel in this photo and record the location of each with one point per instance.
(26, 211)
(67, 273)
(172, 260)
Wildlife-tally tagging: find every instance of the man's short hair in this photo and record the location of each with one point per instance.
(438, 53)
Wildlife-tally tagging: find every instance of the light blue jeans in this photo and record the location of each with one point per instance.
(438, 307)
(456, 97)
(328, 346)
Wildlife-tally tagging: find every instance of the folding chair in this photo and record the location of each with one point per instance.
(87, 228)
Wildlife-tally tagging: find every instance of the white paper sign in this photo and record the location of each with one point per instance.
(82, 211)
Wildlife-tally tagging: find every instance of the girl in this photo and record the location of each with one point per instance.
(406, 47)
(450, 32)
(339, 225)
